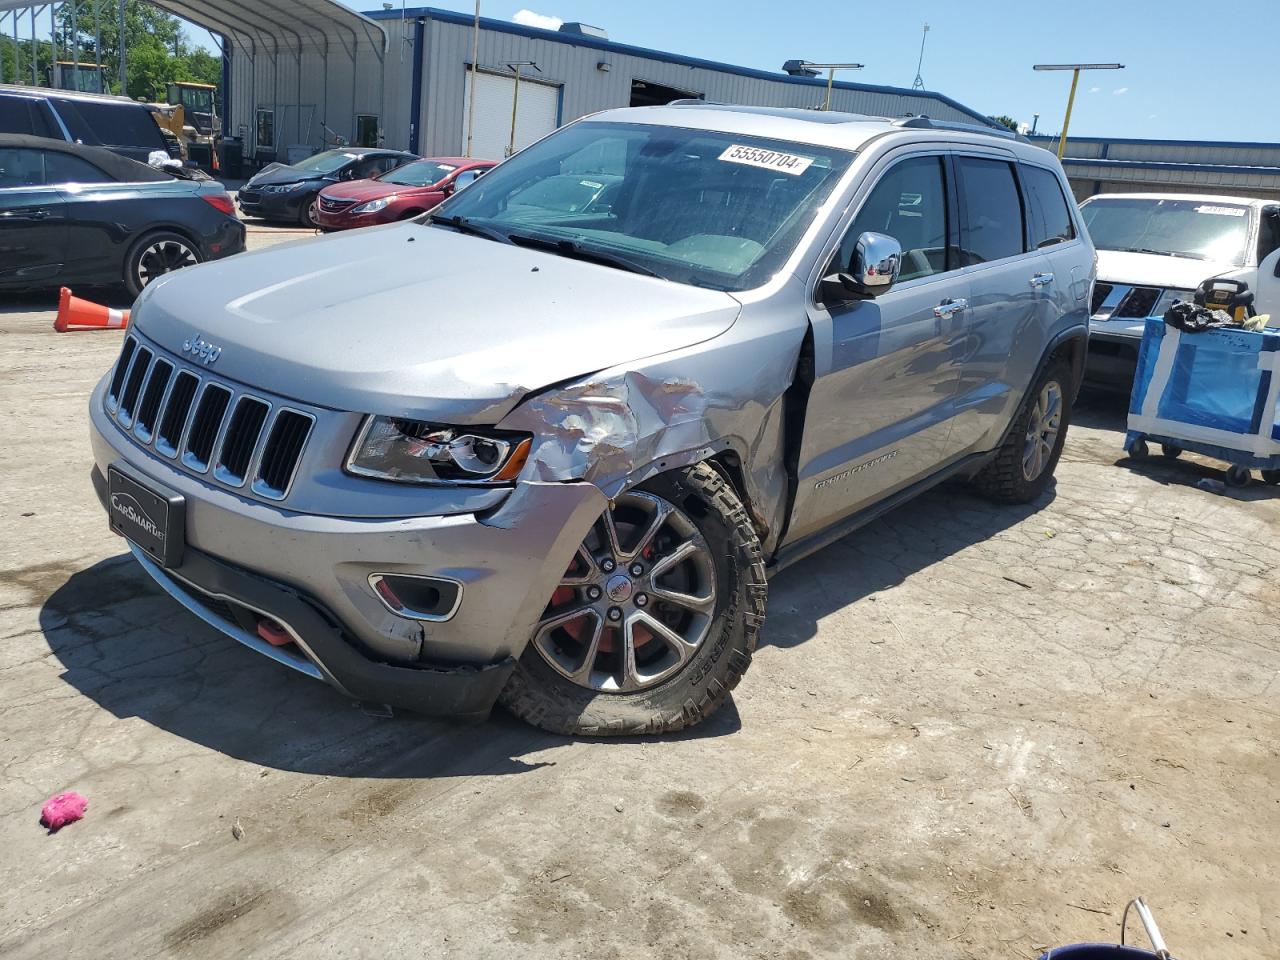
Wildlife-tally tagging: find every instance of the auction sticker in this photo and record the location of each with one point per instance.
(767, 159)
(1222, 211)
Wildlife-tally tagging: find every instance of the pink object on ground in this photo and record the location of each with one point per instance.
(62, 809)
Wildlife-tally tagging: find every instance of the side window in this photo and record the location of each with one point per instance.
(114, 124)
(1051, 220)
(63, 168)
(15, 115)
(21, 168)
(991, 227)
(1269, 233)
(909, 203)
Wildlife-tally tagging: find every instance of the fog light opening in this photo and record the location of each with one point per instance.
(417, 597)
(274, 632)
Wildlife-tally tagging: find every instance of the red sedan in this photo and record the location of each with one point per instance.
(398, 194)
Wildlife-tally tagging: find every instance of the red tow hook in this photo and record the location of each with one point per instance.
(273, 632)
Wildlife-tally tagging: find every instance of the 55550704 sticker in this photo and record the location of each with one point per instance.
(767, 159)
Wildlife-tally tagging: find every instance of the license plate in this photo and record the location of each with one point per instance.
(147, 514)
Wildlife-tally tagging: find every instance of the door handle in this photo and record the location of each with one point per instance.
(949, 308)
(1041, 279)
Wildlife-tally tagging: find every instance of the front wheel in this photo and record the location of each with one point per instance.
(1024, 463)
(655, 618)
(307, 213)
(155, 255)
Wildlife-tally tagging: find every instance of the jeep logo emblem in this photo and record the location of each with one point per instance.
(200, 349)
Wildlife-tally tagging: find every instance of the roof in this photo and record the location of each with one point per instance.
(828, 128)
(120, 168)
(296, 25)
(1195, 197)
(596, 43)
(25, 91)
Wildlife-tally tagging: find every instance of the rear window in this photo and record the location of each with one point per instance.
(1051, 219)
(110, 124)
(992, 228)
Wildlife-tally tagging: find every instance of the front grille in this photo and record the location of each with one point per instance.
(202, 422)
(1100, 293)
(1139, 303)
(249, 196)
(329, 205)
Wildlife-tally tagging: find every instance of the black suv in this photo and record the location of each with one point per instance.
(98, 120)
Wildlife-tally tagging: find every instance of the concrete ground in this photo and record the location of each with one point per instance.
(970, 732)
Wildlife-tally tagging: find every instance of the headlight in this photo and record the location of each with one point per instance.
(283, 187)
(1167, 298)
(413, 451)
(373, 206)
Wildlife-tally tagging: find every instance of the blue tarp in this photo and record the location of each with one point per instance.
(1214, 392)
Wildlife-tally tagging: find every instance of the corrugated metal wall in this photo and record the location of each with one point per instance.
(585, 88)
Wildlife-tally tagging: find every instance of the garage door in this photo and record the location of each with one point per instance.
(535, 117)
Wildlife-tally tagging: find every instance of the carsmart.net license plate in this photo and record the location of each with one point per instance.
(147, 514)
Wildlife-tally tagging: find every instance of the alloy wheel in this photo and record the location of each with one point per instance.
(163, 256)
(636, 602)
(1042, 431)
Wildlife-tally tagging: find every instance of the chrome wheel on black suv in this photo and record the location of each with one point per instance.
(654, 620)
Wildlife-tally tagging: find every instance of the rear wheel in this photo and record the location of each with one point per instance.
(655, 619)
(1023, 465)
(307, 212)
(155, 255)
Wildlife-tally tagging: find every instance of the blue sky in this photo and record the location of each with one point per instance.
(1192, 70)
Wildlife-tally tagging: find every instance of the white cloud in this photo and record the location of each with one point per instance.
(1152, 116)
(542, 21)
(1095, 89)
(1119, 91)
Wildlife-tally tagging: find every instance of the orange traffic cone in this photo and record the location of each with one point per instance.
(77, 314)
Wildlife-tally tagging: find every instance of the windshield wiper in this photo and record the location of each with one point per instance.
(571, 248)
(1163, 253)
(463, 225)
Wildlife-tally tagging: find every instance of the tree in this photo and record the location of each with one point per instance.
(1005, 121)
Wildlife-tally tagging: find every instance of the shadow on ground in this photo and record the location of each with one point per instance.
(130, 648)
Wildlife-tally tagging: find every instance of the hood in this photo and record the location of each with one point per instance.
(418, 321)
(365, 190)
(279, 173)
(1154, 270)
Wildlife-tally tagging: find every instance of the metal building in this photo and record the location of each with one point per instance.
(1123, 165)
(577, 73)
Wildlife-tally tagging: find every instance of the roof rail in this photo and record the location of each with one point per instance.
(922, 122)
(693, 102)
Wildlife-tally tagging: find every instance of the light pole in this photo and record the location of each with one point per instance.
(515, 99)
(475, 57)
(831, 69)
(1075, 69)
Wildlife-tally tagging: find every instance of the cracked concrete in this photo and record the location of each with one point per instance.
(970, 732)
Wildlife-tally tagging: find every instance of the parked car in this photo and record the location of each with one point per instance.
(71, 214)
(405, 192)
(121, 125)
(1155, 248)
(477, 456)
(290, 193)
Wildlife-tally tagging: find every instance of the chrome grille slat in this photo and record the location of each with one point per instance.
(213, 428)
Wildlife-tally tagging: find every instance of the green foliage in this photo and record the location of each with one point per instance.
(1005, 121)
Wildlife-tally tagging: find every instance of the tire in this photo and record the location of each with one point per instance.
(731, 585)
(1169, 451)
(307, 213)
(1238, 477)
(1006, 478)
(411, 214)
(156, 254)
(1139, 450)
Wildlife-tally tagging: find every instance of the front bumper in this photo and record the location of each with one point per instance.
(1113, 350)
(345, 220)
(273, 206)
(311, 573)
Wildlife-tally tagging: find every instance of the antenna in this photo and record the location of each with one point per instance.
(918, 83)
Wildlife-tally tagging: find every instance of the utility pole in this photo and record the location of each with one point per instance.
(1075, 69)
(918, 82)
(515, 99)
(120, 43)
(475, 58)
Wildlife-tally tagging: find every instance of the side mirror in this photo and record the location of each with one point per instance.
(876, 262)
(448, 187)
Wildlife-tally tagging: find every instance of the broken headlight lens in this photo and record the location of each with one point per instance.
(414, 451)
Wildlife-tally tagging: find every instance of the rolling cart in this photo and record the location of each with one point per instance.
(1214, 393)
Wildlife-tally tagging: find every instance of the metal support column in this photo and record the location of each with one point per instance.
(120, 43)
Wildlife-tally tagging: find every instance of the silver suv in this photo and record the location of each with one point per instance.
(550, 455)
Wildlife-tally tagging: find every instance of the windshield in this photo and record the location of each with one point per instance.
(421, 173)
(1199, 229)
(715, 209)
(326, 162)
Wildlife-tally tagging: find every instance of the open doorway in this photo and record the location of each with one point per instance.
(646, 93)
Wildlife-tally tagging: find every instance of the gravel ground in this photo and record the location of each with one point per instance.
(971, 732)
